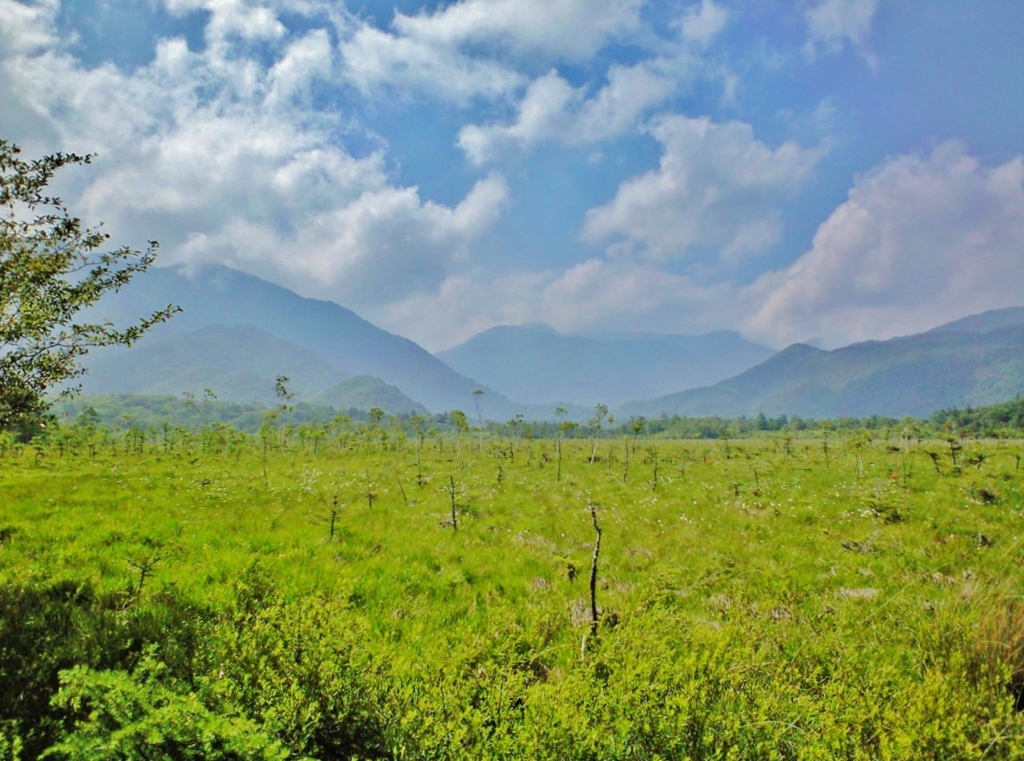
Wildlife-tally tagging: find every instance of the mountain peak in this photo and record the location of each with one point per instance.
(800, 350)
(538, 365)
(218, 295)
(975, 361)
(539, 327)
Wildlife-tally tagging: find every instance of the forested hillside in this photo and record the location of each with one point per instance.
(916, 375)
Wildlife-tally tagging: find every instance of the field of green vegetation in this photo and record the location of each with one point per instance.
(374, 594)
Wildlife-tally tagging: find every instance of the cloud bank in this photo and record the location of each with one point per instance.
(717, 186)
(920, 241)
(268, 135)
(222, 157)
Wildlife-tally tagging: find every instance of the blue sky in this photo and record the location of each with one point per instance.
(833, 169)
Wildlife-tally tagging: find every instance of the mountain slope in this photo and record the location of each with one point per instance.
(984, 322)
(913, 375)
(218, 295)
(534, 363)
(365, 392)
(238, 363)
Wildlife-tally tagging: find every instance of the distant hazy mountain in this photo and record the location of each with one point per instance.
(222, 296)
(238, 364)
(971, 362)
(984, 322)
(365, 392)
(536, 364)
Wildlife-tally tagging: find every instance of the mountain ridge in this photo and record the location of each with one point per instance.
(215, 295)
(239, 363)
(983, 322)
(972, 361)
(536, 364)
(913, 375)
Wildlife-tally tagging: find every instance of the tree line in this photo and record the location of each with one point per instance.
(153, 417)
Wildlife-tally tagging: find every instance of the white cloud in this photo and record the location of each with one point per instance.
(474, 48)
(702, 23)
(919, 242)
(622, 295)
(554, 110)
(383, 246)
(465, 304)
(543, 113)
(630, 91)
(717, 186)
(373, 60)
(552, 29)
(97, 111)
(224, 155)
(217, 155)
(27, 28)
(593, 295)
(834, 23)
(249, 20)
(305, 60)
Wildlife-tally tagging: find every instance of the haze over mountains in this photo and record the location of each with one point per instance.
(975, 361)
(237, 333)
(318, 344)
(535, 364)
(241, 364)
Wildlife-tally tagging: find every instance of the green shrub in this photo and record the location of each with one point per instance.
(147, 714)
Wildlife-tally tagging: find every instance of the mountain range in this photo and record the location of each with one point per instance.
(241, 364)
(535, 364)
(236, 333)
(238, 363)
(975, 361)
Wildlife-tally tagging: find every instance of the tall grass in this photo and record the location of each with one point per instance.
(753, 603)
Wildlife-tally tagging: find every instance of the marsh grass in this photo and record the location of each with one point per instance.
(756, 604)
(1000, 638)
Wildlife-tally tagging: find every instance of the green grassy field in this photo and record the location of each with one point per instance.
(247, 597)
